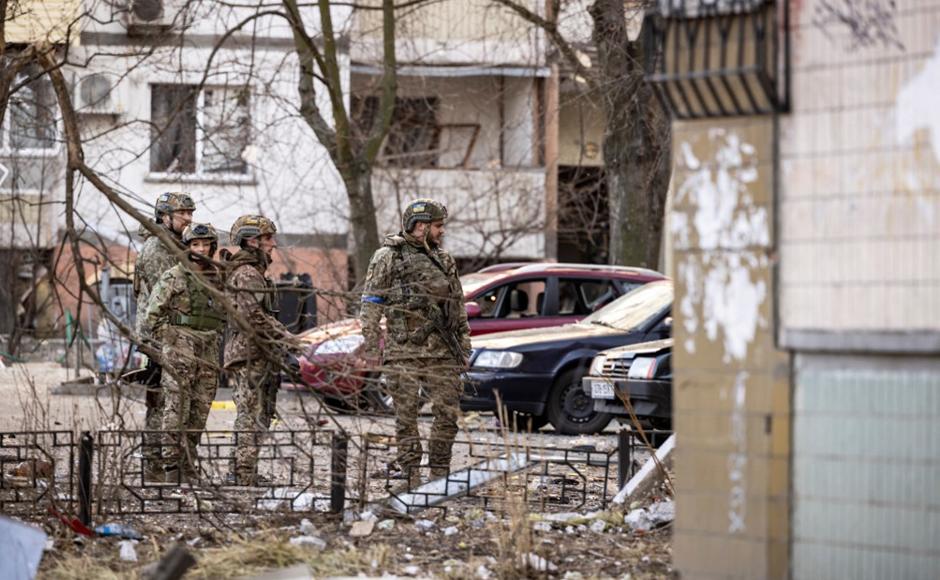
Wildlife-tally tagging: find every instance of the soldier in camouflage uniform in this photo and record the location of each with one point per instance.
(173, 211)
(414, 284)
(182, 315)
(251, 360)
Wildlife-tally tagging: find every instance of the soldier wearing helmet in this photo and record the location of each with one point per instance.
(188, 323)
(173, 211)
(252, 359)
(413, 283)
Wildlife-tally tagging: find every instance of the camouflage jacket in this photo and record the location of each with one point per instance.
(180, 301)
(417, 289)
(153, 260)
(254, 297)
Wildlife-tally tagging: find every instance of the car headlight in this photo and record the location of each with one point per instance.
(498, 359)
(344, 345)
(597, 365)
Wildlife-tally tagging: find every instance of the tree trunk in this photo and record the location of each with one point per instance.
(636, 141)
(362, 218)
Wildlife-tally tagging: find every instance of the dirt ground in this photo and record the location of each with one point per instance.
(508, 538)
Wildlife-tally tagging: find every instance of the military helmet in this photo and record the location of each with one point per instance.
(251, 226)
(199, 232)
(422, 210)
(169, 202)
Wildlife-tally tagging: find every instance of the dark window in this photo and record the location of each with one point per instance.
(31, 117)
(413, 138)
(173, 133)
(199, 132)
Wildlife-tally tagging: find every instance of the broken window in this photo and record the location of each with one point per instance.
(412, 140)
(30, 122)
(200, 131)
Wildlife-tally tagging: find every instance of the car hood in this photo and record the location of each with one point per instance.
(338, 329)
(531, 336)
(632, 350)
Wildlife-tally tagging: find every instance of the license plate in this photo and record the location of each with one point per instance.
(602, 390)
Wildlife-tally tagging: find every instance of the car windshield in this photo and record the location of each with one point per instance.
(473, 282)
(635, 308)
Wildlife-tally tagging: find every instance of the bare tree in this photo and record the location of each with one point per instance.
(353, 154)
(637, 136)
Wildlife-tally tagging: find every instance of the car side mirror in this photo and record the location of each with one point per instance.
(473, 310)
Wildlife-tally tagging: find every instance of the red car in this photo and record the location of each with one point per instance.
(498, 298)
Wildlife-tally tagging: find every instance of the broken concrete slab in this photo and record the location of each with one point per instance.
(457, 484)
(648, 476)
(362, 528)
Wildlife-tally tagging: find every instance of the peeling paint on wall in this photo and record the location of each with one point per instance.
(916, 106)
(724, 223)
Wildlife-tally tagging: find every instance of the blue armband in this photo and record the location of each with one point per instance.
(374, 299)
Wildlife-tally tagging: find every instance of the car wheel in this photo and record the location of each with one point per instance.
(570, 410)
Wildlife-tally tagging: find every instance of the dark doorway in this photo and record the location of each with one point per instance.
(583, 217)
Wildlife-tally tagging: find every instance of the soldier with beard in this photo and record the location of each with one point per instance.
(252, 358)
(184, 317)
(414, 284)
(173, 212)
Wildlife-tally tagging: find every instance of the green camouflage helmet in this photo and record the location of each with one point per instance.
(169, 202)
(251, 226)
(422, 210)
(199, 232)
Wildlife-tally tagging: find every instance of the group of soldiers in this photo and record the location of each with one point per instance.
(181, 311)
(187, 299)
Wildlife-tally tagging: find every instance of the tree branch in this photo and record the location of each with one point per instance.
(389, 85)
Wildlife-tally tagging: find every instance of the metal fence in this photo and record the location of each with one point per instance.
(103, 474)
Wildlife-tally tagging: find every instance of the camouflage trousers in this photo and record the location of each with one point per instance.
(255, 402)
(153, 419)
(190, 381)
(439, 380)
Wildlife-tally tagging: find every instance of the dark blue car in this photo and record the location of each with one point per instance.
(537, 373)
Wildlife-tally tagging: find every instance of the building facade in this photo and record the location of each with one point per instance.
(807, 326)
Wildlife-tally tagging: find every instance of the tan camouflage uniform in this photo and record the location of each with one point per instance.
(182, 316)
(418, 290)
(153, 260)
(254, 376)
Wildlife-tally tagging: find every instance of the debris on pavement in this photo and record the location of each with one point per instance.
(362, 528)
(649, 475)
(128, 552)
(21, 548)
(119, 531)
(645, 519)
(308, 542)
(385, 525)
(538, 563)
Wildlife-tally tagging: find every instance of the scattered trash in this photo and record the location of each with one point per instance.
(598, 526)
(483, 573)
(73, 523)
(194, 542)
(362, 528)
(385, 525)
(118, 530)
(367, 516)
(349, 517)
(307, 528)
(569, 529)
(424, 524)
(411, 570)
(645, 519)
(21, 548)
(542, 527)
(538, 563)
(452, 530)
(572, 575)
(128, 551)
(308, 542)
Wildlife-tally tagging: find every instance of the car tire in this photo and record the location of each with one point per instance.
(570, 410)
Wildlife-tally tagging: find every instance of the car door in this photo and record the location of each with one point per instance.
(515, 305)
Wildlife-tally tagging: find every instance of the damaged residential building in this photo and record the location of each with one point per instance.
(171, 97)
